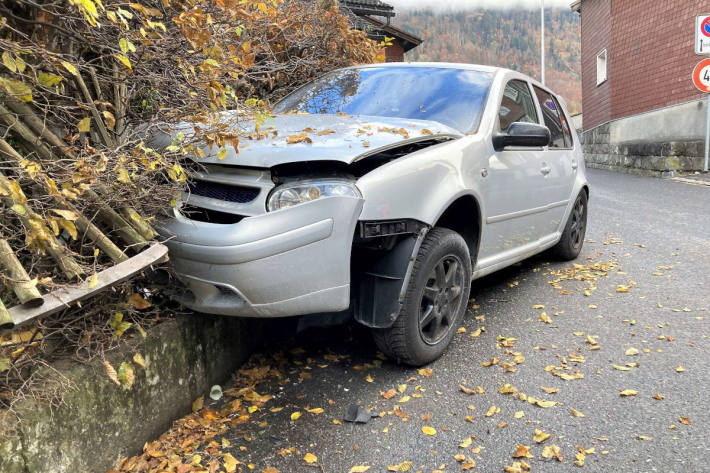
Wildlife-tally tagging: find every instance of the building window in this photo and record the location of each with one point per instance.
(601, 67)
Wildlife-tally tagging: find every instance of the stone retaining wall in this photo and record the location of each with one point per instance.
(660, 159)
(101, 423)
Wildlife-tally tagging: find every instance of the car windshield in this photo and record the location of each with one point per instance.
(453, 97)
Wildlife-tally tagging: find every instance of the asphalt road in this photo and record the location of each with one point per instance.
(636, 224)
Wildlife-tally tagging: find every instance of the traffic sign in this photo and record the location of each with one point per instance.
(702, 35)
(701, 76)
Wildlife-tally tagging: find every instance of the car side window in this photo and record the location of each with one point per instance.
(517, 105)
(554, 120)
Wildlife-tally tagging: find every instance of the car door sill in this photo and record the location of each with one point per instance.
(493, 263)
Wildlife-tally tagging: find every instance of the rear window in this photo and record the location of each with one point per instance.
(554, 120)
(450, 96)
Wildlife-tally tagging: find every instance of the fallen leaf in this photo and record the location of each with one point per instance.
(507, 389)
(550, 390)
(643, 437)
(522, 451)
(684, 420)
(369, 379)
(295, 415)
(576, 413)
(404, 399)
(404, 466)
(538, 306)
(492, 410)
(428, 430)
(519, 414)
(658, 397)
(139, 360)
(579, 458)
(632, 352)
(230, 463)
(621, 368)
(552, 451)
(389, 394)
(426, 372)
(198, 403)
(317, 410)
(679, 369)
(461, 330)
(540, 436)
(301, 138)
(111, 372)
(628, 392)
(545, 318)
(465, 443)
(138, 302)
(325, 132)
(310, 458)
(270, 469)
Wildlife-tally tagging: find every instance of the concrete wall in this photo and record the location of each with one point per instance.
(100, 423)
(660, 143)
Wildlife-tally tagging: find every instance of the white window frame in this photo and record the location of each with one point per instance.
(602, 62)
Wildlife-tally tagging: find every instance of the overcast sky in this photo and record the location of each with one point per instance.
(473, 4)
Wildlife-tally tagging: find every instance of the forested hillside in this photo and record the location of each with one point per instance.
(508, 38)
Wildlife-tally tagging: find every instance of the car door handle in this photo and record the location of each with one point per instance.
(546, 170)
(575, 165)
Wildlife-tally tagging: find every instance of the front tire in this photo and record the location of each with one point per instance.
(570, 245)
(435, 301)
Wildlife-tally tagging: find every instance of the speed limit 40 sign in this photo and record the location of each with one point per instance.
(701, 76)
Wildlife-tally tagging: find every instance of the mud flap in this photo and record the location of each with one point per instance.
(382, 285)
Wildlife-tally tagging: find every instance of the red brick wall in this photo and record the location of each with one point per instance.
(596, 35)
(394, 53)
(650, 55)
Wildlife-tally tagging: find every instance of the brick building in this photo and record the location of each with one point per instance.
(373, 17)
(642, 114)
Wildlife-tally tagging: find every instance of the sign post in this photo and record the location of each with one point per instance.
(701, 74)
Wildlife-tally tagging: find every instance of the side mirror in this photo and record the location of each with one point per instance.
(522, 134)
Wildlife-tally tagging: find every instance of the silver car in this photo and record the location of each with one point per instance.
(380, 193)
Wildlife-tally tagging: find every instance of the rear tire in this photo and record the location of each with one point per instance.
(570, 245)
(435, 301)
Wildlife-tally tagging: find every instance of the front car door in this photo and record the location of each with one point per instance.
(559, 159)
(511, 183)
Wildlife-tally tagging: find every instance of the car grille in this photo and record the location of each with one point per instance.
(225, 192)
(200, 214)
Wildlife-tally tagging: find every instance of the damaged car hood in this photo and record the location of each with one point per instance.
(292, 138)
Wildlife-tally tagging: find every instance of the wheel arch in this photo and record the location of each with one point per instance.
(463, 215)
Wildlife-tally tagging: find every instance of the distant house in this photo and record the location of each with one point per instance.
(373, 17)
(641, 112)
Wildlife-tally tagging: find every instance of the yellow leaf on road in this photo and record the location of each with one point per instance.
(540, 436)
(295, 415)
(628, 392)
(428, 430)
(404, 399)
(522, 451)
(426, 372)
(317, 410)
(576, 413)
(404, 466)
(310, 458)
(632, 351)
(679, 369)
(465, 443)
(552, 451)
(492, 410)
(230, 463)
(545, 318)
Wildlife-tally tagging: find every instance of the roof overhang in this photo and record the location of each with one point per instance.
(576, 6)
(407, 40)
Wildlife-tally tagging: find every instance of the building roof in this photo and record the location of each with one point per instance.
(406, 39)
(576, 6)
(369, 7)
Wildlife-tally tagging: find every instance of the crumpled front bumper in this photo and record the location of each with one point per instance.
(290, 262)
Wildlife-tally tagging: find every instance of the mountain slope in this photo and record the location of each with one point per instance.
(507, 38)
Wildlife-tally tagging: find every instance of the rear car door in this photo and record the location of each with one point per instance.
(511, 183)
(559, 160)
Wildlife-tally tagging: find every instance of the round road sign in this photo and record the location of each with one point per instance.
(701, 76)
(705, 27)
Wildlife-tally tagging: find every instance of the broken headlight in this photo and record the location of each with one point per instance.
(296, 193)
